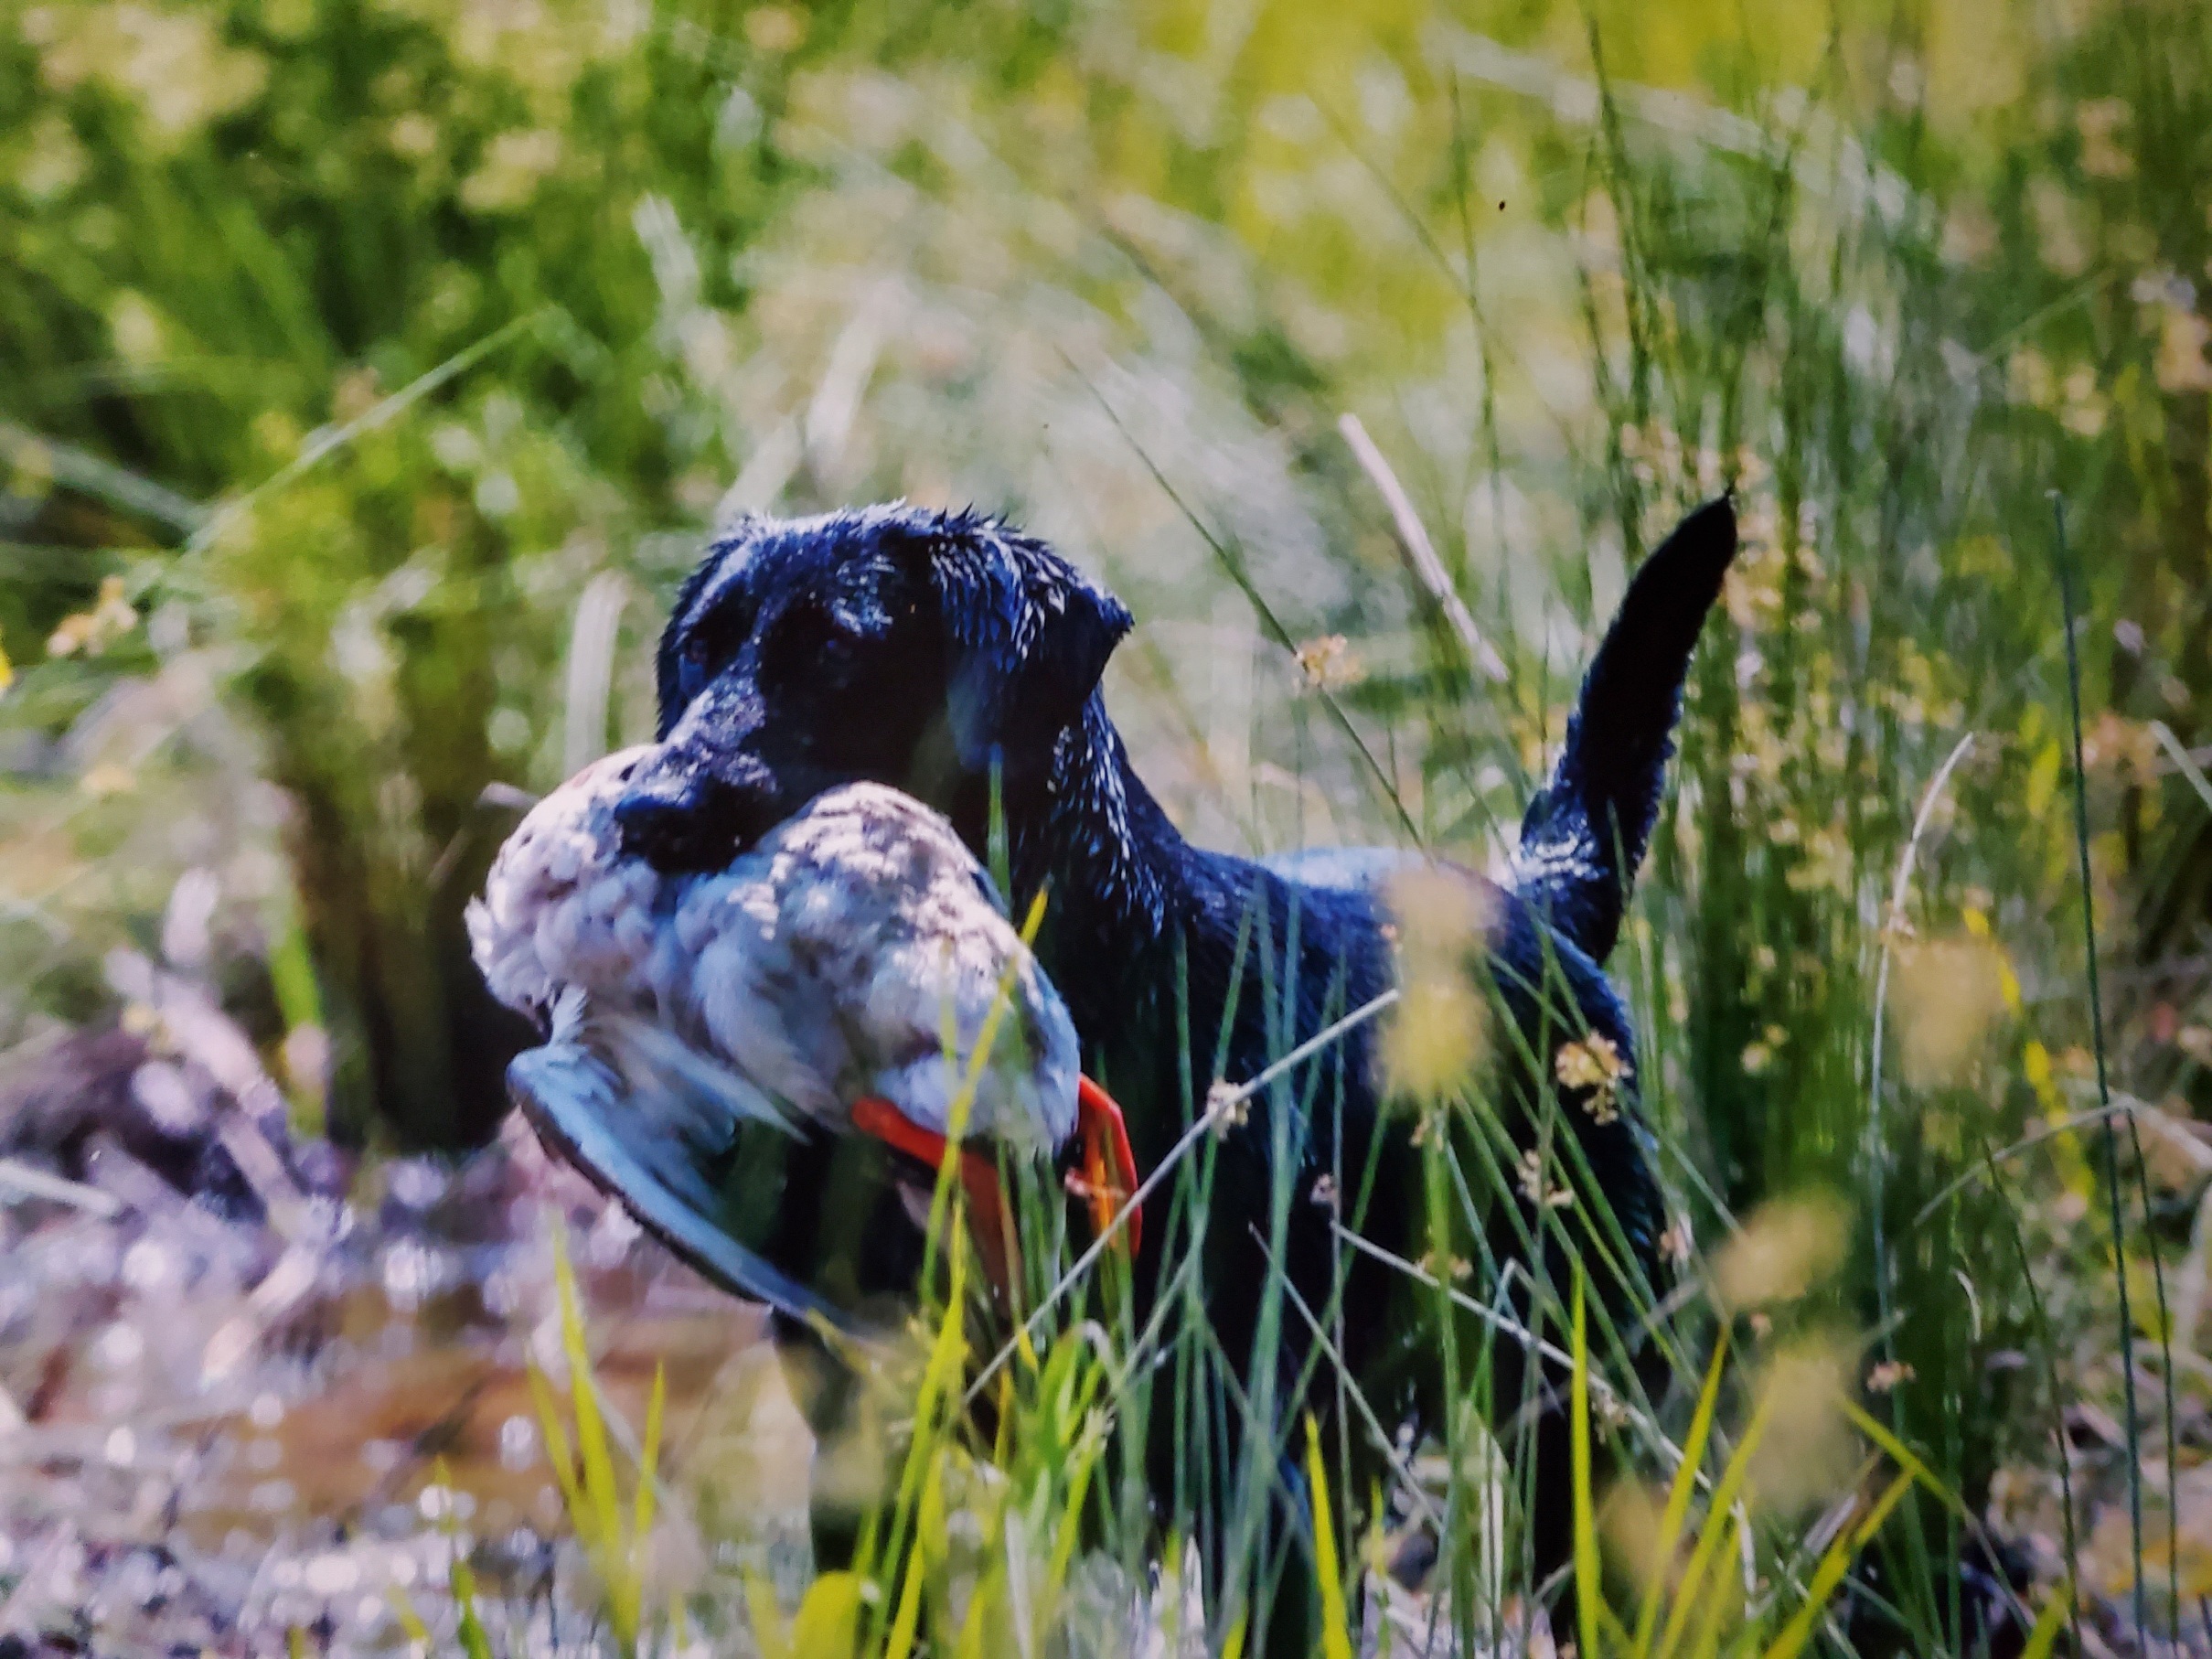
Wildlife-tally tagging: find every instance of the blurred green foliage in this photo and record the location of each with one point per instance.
(237, 229)
(358, 338)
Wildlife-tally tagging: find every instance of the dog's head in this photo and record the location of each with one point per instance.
(892, 645)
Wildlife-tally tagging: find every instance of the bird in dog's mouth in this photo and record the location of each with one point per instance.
(817, 1027)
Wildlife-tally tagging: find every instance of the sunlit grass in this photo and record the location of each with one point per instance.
(1027, 1497)
(348, 346)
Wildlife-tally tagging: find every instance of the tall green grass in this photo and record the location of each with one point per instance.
(356, 339)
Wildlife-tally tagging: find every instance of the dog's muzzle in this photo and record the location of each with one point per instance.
(681, 822)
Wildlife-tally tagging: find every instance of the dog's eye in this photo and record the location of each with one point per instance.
(708, 641)
(806, 635)
(695, 662)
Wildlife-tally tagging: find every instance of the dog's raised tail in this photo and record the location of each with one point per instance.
(1584, 834)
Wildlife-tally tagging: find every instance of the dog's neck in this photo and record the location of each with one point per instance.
(1093, 836)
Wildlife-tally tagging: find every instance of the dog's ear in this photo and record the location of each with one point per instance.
(1030, 635)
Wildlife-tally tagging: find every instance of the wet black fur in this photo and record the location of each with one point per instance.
(920, 650)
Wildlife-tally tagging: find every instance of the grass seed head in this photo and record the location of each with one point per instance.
(1438, 1035)
(1948, 993)
(1784, 1250)
(1808, 1452)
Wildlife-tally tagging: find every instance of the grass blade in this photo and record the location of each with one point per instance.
(1336, 1638)
(558, 1452)
(592, 1445)
(828, 1620)
(1724, 1600)
(1678, 1493)
(2183, 763)
(1717, 1527)
(765, 1618)
(2116, 1211)
(474, 1639)
(2048, 1623)
(1586, 1509)
(648, 1462)
(1830, 1573)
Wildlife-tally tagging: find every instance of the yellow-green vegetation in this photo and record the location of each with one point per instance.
(372, 370)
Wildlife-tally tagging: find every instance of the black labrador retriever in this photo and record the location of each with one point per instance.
(952, 656)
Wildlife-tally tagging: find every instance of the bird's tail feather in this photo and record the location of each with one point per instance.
(1585, 832)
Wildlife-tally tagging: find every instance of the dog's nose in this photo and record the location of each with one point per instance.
(679, 825)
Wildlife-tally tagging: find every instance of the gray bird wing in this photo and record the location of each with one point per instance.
(638, 1150)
